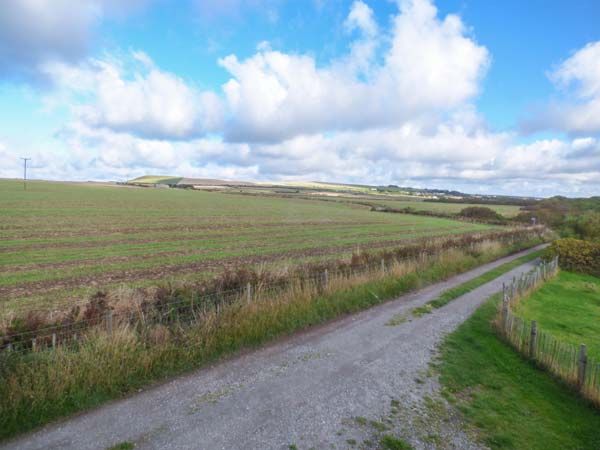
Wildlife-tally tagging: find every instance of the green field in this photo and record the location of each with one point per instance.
(61, 240)
(507, 401)
(567, 307)
(447, 208)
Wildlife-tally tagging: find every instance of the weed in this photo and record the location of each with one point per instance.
(379, 426)
(122, 446)
(361, 421)
(397, 319)
(389, 442)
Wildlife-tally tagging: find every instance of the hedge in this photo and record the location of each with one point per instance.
(577, 255)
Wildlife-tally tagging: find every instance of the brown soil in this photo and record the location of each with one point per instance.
(157, 273)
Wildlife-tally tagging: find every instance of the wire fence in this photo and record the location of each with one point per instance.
(567, 361)
(36, 330)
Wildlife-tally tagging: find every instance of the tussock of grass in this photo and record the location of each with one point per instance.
(507, 400)
(123, 446)
(38, 387)
(389, 442)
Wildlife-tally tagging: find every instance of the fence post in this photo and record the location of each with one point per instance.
(533, 339)
(512, 289)
(581, 366)
(53, 340)
(109, 322)
(383, 266)
(33, 344)
(248, 293)
(325, 278)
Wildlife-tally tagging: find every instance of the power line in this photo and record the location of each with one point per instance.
(25, 172)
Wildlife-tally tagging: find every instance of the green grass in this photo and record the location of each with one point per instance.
(447, 208)
(455, 292)
(567, 307)
(56, 238)
(123, 446)
(507, 400)
(389, 442)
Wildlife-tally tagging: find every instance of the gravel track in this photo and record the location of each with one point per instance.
(339, 386)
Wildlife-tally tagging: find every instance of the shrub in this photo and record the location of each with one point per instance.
(480, 213)
(577, 255)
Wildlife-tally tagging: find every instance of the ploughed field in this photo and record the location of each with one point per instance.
(64, 240)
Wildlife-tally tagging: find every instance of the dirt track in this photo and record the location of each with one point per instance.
(318, 389)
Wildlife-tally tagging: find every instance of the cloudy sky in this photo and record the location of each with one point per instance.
(479, 96)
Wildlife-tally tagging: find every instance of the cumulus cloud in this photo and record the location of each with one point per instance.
(361, 17)
(432, 66)
(138, 98)
(397, 108)
(33, 32)
(578, 78)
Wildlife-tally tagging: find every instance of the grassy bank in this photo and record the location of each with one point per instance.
(567, 307)
(451, 294)
(508, 401)
(37, 387)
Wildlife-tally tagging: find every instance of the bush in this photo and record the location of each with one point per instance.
(577, 255)
(480, 213)
(585, 226)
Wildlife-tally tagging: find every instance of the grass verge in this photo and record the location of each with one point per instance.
(508, 401)
(38, 387)
(455, 292)
(567, 307)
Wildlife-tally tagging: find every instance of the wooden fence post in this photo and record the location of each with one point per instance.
(325, 279)
(53, 340)
(33, 344)
(248, 293)
(383, 266)
(581, 366)
(533, 339)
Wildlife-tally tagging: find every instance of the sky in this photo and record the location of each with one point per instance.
(471, 95)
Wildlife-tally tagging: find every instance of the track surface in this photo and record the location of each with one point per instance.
(305, 390)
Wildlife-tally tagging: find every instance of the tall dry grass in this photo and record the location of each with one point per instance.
(39, 386)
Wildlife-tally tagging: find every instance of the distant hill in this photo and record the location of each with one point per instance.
(313, 187)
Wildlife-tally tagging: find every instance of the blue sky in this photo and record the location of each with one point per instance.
(494, 97)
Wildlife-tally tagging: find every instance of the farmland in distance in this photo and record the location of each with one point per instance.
(64, 240)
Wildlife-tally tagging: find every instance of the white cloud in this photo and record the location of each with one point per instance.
(450, 155)
(34, 32)
(431, 67)
(578, 78)
(583, 70)
(361, 18)
(139, 99)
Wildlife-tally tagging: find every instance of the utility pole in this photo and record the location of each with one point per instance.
(25, 172)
